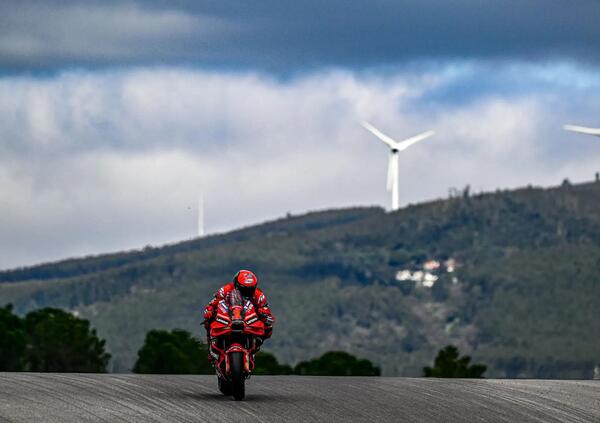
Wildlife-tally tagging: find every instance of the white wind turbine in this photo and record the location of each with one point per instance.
(583, 130)
(395, 148)
(200, 216)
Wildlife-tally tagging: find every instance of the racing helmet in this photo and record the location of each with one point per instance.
(245, 281)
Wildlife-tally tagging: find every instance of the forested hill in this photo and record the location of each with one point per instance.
(80, 266)
(511, 277)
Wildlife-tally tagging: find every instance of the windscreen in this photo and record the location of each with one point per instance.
(235, 298)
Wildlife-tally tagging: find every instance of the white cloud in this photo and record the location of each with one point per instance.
(104, 161)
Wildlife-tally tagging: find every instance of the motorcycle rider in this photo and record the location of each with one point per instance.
(246, 283)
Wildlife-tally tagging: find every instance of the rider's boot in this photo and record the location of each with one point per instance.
(211, 359)
(257, 344)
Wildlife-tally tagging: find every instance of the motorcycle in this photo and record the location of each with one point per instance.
(235, 335)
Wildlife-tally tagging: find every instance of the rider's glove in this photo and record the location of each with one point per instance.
(208, 313)
(266, 316)
(269, 321)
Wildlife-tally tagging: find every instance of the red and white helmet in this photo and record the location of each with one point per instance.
(245, 281)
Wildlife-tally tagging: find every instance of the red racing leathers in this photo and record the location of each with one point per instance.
(258, 300)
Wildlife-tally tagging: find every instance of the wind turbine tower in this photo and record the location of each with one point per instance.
(393, 164)
(583, 130)
(200, 216)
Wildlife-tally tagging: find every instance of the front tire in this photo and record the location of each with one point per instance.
(238, 388)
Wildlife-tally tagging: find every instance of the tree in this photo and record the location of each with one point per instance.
(266, 364)
(337, 363)
(57, 341)
(12, 340)
(175, 352)
(447, 363)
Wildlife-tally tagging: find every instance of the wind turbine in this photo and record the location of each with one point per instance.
(583, 130)
(395, 148)
(200, 216)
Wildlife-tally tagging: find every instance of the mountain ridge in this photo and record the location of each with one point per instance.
(522, 297)
(44, 270)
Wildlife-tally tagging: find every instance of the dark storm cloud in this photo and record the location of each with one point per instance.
(276, 35)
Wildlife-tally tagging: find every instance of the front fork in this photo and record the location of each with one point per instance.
(247, 359)
(221, 357)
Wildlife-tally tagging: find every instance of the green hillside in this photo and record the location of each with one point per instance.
(522, 296)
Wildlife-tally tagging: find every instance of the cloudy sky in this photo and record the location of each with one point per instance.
(114, 116)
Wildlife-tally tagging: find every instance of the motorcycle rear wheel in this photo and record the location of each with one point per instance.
(224, 386)
(236, 360)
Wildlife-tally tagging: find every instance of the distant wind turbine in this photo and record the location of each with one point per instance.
(393, 165)
(583, 130)
(200, 216)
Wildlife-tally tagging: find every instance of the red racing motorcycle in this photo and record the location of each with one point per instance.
(235, 337)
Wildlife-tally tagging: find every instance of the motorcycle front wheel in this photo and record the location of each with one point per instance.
(238, 389)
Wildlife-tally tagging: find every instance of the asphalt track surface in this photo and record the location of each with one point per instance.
(65, 398)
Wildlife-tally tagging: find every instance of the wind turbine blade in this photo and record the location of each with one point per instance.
(583, 130)
(395, 186)
(389, 141)
(390, 174)
(403, 145)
